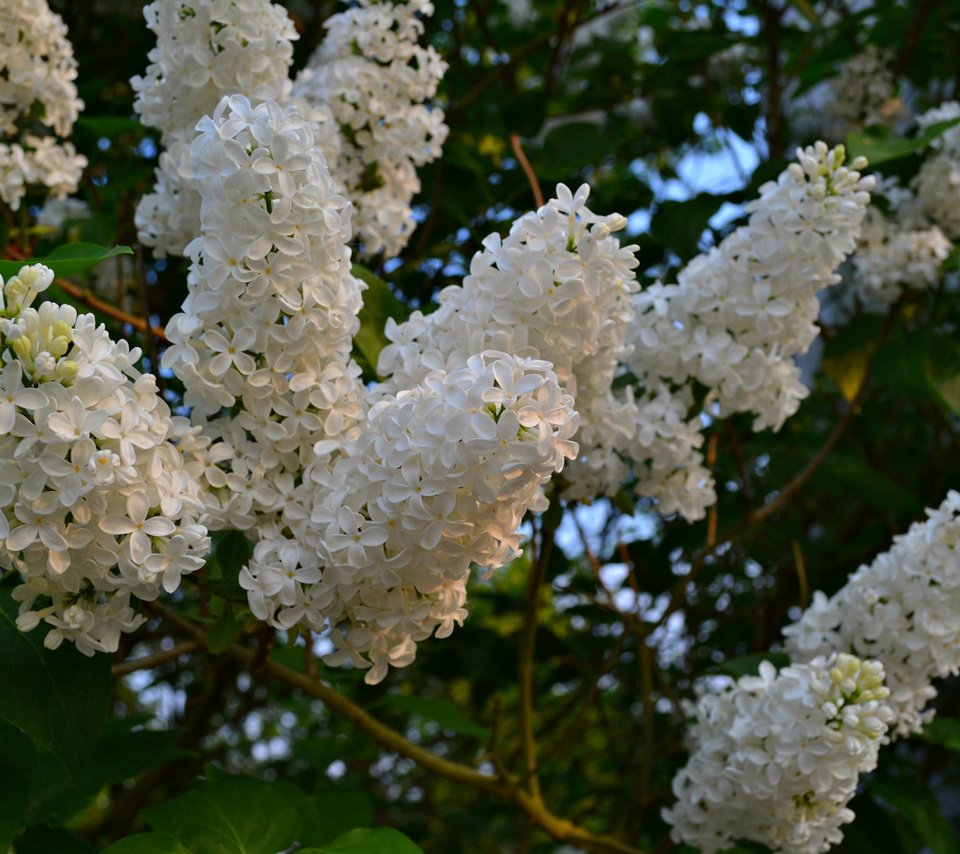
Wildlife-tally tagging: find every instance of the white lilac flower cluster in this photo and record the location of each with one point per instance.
(902, 610)
(775, 758)
(557, 288)
(206, 49)
(368, 508)
(365, 88)
(37, 92)
(97, 502)
(905, 247)
(373, 78)
(437, 481)
(863, 92)
(937, 184)
(271, 311)
(735, 320)
(892, 258)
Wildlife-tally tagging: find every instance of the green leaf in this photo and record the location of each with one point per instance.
(379, 304)
(943, 731)
(231, 552)
(224, 632)
(382, 840)
(680, 225)
(60, 698)
(749, 665)
(121, 753)
(879, 144)
(805, 8)
(52, 840)
(920, 809)
(237, 814)
(439, 710)
(108, 126)
(846, 471)
(338, 808)
(68, 260)
(943, 371)
(147, 843)
(18, 758)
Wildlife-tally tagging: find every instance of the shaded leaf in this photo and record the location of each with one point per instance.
(337, 810)
(943, 731)
(237, 814)
(225, 631)
(943, 371)
(18, 759)
(383, 840)
(920, 809)
(52, 840)
(60, 698)
(379, 304)
(680, 225)
(147, 843)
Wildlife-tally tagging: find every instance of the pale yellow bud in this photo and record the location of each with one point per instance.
(23, 347)
(67, 370)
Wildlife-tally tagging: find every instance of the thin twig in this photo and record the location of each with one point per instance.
(148, 661)
(527, 169)
(801, 574)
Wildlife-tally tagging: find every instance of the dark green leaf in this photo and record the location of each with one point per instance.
(680, 225)
(379, 304)
(920, 809)
(873, 486)
(121, 753)
(749, 665)
(147, 843)
(60, 698)
(18, 759)
(382, 840)
(237, 814)
(338, 809)
(68, 260)
(943, 731)
(225, 631)
(52, 840)
(108, 126)
(943, 371)
(231, 552)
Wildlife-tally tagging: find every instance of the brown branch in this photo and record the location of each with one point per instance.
(154, 660)
(90, 299)
(527, 169)
(712, 515)
(912, 42)
(799, 480)
(528, 640)
(771, 32)
(506, 788)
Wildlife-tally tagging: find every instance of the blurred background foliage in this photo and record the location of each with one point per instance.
(675, 113)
